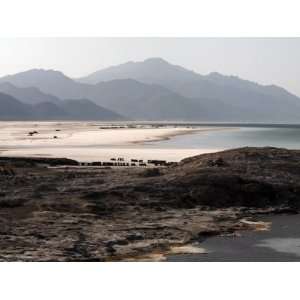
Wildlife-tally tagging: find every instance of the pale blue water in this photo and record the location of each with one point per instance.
(234, 138)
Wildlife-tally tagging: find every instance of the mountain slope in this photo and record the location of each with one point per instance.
(141, 101)
(48, 107)
(48, 81)
(13, 109)
(152, 70)
(28, 95)
(84, 109)
(50, 111)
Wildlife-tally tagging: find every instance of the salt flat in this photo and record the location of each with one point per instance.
(87, 141)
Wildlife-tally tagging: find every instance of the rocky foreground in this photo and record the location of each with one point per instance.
(101, 214)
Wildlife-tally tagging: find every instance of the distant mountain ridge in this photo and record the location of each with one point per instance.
(157, 90)
(28, 95)
(152, 70)
(159, 71)
(83, 109)
(126, 97)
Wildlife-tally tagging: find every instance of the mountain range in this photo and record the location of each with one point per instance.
(149, 90)
(75, 109)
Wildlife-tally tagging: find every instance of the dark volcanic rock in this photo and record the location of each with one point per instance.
(84, 214)
(256, 177)
(152, 172)
(32, 161)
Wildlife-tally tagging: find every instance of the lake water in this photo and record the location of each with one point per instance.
(236, 137)
(280, 243)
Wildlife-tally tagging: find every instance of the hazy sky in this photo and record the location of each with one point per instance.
(266, 61)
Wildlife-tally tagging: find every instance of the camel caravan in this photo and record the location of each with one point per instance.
(120, 162)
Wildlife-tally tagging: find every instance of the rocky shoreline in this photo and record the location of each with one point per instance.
(84, 214)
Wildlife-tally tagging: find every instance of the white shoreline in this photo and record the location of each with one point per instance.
(85, 141)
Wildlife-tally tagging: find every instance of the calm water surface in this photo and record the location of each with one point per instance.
(281, 243)
(236, 137)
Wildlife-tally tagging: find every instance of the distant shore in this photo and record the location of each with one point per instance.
(100, 141)
(90, 141)
(173, 133)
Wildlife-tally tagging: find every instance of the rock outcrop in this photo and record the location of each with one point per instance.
(94, 214)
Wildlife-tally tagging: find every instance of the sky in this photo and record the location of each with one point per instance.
(263, 60)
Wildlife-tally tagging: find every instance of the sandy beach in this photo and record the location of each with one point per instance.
(88, 141)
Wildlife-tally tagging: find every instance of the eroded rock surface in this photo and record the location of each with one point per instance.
(94, 214)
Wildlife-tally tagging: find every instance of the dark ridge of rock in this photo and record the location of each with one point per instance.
(32, 161)
(256, 177)
(244, 155)
(84, 214)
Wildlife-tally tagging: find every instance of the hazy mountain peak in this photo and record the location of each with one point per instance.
(34, 76)
(40, 72)
(156, 60)
(48, 81)
(215, 75)
(151, 70)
